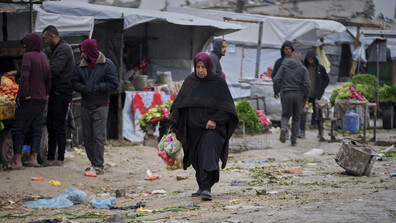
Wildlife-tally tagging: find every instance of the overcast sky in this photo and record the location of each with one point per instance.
(387, 7)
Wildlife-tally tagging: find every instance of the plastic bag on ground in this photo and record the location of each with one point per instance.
(56, 202)
(74, 195)
(103, 203)
(171, 152)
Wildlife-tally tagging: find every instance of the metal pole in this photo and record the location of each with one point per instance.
(259, 49)
(31, 16)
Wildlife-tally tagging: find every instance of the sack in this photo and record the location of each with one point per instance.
(171, 152)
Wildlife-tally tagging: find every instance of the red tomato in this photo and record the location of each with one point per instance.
(171, 161)
(165, 156)
(160, 153)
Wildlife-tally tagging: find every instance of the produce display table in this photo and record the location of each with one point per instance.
(7, 111)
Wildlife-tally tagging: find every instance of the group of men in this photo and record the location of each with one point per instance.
(52, 82)
(298, 82)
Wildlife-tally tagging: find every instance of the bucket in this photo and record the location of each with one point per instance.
(357, 159)
(351, 121)
(140, 82)
(164, 77)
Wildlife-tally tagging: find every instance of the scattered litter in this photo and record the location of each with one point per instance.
(296, 170)
(74, 195)
(151, 176)
(158, 191)
(68, 154)
(235, 201)
(381, 158)
(393, 174)
(138, 205)
(259, 161)
(90, 173)
(103, 203)
(261, 191)
(142, 210)
(238, 183)
(314, 152)
(55, 183)
(390, 149)
(120, 192)
(273, 192)
(57, 202)
(104, 195)
(38, 179)
(78, 151)
(233, 221)
(180, 177)
(111, 164)
(311, 164)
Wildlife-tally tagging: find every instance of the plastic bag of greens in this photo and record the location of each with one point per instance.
(171, 152)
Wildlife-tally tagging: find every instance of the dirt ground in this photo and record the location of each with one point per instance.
(323, 192)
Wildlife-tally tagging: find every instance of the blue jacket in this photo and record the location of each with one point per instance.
(322, 79)
(95, 85)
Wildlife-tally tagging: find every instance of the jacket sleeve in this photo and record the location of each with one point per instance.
(306, 83)
(25, 76)
(77, 83)
(215, 62)
(48, 82)
(276, 68)
(110, 82)
(278, 79)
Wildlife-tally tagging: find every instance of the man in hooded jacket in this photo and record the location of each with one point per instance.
(319, 81)
(219, 50)
(286, 51)
(35, 83)
(95, 77)
(295, 87)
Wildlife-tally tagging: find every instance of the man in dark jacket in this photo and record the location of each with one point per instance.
(295, 87)
(286, 51)
(62, 68)
(319, 81)
(34, 86)
(219, 50)
(95, 77)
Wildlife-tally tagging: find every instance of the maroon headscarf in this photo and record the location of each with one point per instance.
(91, 49)
(205, 58)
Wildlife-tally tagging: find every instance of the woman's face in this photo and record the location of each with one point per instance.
(201, 70)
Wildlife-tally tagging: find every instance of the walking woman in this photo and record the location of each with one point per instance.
(204, 118)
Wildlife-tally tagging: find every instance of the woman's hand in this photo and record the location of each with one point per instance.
(211, 125)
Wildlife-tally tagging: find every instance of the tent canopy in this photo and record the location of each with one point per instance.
(275, 29)
(133, 17)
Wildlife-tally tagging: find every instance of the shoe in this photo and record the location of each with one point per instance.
(99, 170)
(32, 165)
(49, 163)
(282, 136)
(294, 144)
(287, 136)
(197, 193)
(321, 139)
(301, 135)
(206, 196)
(88, 168)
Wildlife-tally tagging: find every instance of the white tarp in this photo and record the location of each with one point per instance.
(134, 16)
(275, 29)
(67, 25)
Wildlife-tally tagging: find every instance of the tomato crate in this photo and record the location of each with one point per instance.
(7, 112)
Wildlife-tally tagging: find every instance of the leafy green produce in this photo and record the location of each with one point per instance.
(249, 115)
(387, 93)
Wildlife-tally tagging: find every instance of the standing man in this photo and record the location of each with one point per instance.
(219, 50)
(95, 77)
(34, 86)
(319, 81)
(62, 68)
(295, 87)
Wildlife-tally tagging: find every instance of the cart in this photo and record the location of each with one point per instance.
(7, 112)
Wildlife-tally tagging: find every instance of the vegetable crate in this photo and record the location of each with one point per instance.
(7, 112)
(242, 141)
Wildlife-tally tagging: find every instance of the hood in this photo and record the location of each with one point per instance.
(91, 49)
(291, 63)
(310, 54)
(33, 42)
(286, 43)
(217, 45)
